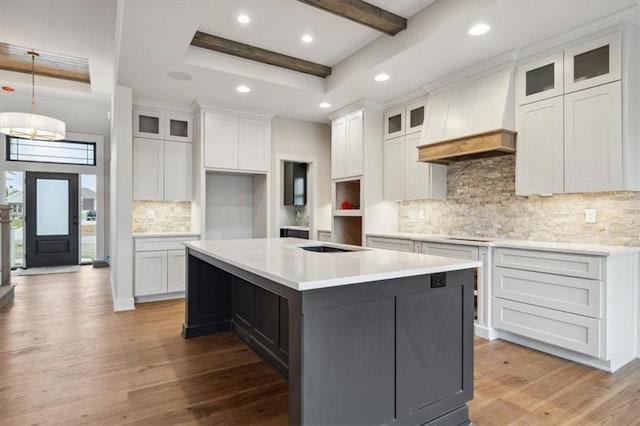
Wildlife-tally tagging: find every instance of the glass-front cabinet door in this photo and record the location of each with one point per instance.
(394, 123)
(593, 63)
(415, 116)
(148, 124)
(178, 127)
(540, 79)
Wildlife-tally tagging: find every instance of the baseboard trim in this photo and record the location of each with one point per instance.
(159, 297)
(609, 365)
(485, 332)
(125, 304)
(7, 294)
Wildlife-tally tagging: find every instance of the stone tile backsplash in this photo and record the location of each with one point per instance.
(481, 202)
(168, 216)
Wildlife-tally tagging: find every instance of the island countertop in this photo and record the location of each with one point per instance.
(282, 260)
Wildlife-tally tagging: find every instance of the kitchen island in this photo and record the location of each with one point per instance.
(363, 336)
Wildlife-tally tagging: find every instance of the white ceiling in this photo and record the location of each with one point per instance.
(156, 34)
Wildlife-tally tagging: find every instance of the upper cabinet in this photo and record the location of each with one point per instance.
(541, 79)
(581, 139)
(162, 155)
(236, 143)
(405, 119)
(585, 65)
(167, 125)
(404, 177)
(347, 143)
(593, 63)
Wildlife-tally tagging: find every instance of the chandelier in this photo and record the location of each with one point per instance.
(32, 126)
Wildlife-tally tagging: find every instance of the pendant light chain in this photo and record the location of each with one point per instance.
(33, 79)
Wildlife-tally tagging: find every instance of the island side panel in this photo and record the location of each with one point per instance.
(356, 337)
(207, 298)
(434, 349)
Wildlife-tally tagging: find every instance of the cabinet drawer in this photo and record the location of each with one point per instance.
(390, 244)
(554, 263)
(152, 244)
(324, 236)
(451, 250)
(574, 332)
(574, 295)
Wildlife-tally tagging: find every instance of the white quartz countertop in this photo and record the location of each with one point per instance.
(283, 261)
(578, 248)
(164, 234)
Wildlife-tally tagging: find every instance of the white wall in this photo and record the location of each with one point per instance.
(296, 138)
(229, 206)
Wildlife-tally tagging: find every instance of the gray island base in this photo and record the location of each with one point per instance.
(367, 337)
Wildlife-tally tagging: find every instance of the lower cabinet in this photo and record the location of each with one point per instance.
(391, 243)
(324, 236)
(160, 267)
(577, 306)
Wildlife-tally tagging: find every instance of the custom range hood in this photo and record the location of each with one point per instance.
(470, 119)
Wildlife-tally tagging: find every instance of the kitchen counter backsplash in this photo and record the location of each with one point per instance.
(167, 216)
(481, 202)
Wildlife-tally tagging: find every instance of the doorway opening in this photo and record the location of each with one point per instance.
(295, 196)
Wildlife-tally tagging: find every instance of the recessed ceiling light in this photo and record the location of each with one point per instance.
(381, 77)
(479, 29)
(244, 19)
(179, 75)
(307, 38)
(325, 105)
(243, 89)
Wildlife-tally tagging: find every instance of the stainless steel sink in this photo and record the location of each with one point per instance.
(323, 248)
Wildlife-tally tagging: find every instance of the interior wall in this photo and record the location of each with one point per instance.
(298, 138)
(481, 202)
(229, 206)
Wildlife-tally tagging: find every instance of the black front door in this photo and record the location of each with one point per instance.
(51, 220)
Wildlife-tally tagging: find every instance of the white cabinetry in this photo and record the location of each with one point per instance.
(236, 143)
(347, 142)
(324, 236)
(482, 292)
(161, 170)
(160, 124)
(570, 121)
(405, 178)
(581, 307)
(397, 244)
(160, 268)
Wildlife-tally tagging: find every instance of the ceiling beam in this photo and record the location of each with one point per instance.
(230, 47)
(17, 59)
(363, 13)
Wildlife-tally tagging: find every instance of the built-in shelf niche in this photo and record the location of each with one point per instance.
(348, 191)
(347, 230)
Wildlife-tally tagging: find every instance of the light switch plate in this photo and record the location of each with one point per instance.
(420, 214)
(590, 215)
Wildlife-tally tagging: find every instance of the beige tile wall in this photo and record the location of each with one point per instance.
(169, 216)
(481, 202)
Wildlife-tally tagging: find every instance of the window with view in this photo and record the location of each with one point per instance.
(61, 152)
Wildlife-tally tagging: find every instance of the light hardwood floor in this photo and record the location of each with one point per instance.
(66, 358)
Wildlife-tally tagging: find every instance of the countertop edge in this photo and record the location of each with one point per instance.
(566, 247)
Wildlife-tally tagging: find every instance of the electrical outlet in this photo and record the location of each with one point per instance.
(590, 215)
(420, 214)
(151, 214)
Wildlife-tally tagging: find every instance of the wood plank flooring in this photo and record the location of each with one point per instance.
(66, 358)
